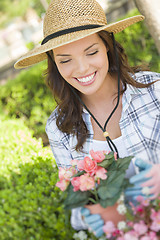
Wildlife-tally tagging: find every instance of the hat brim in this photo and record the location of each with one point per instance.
(38, 54)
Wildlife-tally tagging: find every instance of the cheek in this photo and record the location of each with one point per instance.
(103, 62)
(64, 70)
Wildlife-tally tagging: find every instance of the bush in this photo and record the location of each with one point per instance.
(139, 44)
(27, 97)
(30, 206)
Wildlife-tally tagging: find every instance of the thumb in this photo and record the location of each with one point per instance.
(85, 212)
(142, 165)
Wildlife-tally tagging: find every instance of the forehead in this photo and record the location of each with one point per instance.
(80, 44)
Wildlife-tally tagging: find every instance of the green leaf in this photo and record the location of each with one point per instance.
(110, 201)
(109, 155)
(75, 205)
(123, 163)
(106, 163)
(79, 174)
(111, 186)
(75, 199)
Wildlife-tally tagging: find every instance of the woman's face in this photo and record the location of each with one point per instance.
(83, 64)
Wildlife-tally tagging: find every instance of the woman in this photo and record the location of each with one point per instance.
(100, 97)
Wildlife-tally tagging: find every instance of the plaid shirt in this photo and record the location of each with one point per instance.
(139, 124)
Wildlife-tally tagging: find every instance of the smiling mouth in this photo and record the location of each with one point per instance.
(86, 79)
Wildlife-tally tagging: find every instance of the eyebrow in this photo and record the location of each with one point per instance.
(68, 55)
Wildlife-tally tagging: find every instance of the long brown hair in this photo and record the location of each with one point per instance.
(69, 118)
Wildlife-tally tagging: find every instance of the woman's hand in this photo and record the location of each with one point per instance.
(93, 221)
(154, 181)
(148, 180)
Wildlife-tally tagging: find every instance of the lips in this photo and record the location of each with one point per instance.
(86, 79)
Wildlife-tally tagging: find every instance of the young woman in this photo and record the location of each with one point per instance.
(103, 103)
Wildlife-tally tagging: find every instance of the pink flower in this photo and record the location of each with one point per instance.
(88, 165)
(76, 183)
(62, 184)
(153, 236)
(149, 236)
(115, 156)
(139, 209)
(130, 224)
(86, 182)
(69, 173)
(100, 173)
(155, 226)
(74, 162)
(80, 165)
(155, 216)
(109, 228)
(144, 202)
(140, 227)
(61, 173)
(66, 173)
(98, 156)
(145, 238)
(131, 235)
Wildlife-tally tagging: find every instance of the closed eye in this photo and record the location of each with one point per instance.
(93, 53)
(65, 61)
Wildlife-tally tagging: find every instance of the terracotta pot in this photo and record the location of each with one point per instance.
(107, 214)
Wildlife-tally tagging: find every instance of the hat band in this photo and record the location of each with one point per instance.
(69, 30)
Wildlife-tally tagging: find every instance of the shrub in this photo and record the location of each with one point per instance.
(139, 44)
(27, 97)
(30, 206)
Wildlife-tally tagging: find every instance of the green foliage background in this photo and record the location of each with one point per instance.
(29, 202)
(28, 98)
(10, 9)
(139, 45)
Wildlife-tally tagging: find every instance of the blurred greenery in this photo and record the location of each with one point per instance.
(28, 98)
(10, 9)
(139, 44)
(30, 206)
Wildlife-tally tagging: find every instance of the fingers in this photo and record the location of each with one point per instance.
(132, 193)
(142, 165)
(148, 183)
(96, 225)
(92, 218)
(141, 177)
(85, 211)
(99, 232)
(144, 197)
(94, 222)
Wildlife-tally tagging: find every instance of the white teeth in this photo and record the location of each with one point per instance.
(87, 79)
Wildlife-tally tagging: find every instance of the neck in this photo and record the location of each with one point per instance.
(106, 94)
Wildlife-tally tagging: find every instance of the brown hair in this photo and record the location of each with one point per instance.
(69, 118)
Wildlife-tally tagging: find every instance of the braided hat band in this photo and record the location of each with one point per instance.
(68, 21)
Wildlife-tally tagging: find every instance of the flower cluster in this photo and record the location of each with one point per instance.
(142, 222)
(98, 178)
(92, 173)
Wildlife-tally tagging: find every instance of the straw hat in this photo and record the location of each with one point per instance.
(69, 20)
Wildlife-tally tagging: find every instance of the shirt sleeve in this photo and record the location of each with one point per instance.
(76, 220)
(157, 87)
(63, 156)
(60, 150)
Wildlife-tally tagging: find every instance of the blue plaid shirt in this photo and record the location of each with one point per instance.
(139, 124)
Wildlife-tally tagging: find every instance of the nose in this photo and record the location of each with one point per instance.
(82, 67)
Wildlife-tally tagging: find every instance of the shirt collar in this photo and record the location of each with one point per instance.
(128, 95)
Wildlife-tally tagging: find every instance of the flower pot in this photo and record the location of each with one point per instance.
(107, 214)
